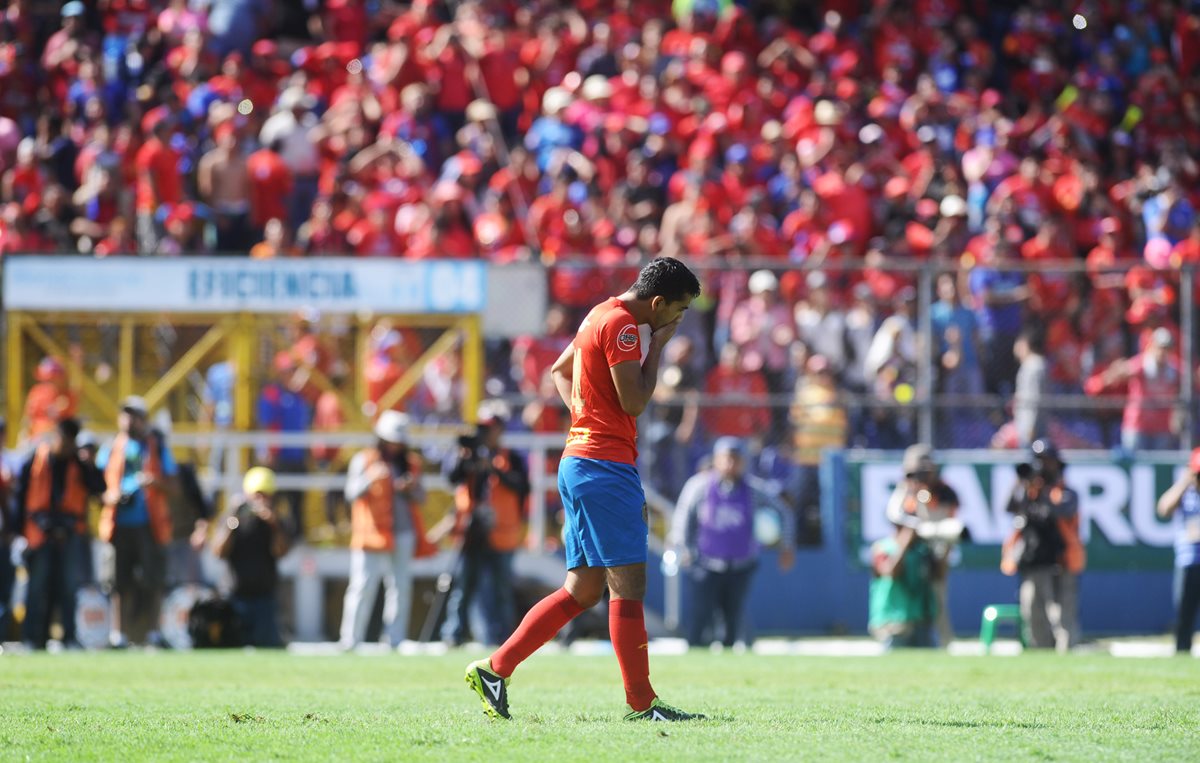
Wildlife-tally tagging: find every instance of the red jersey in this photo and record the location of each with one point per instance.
(600, 428)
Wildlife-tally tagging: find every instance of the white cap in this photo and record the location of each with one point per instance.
(953, 206)
(1162, 337)
(392, 427)
(763, 280)
(825, 113)
(555, 100)
(136, 404)
(596, 87)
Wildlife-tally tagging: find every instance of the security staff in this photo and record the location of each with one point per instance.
(51, 512)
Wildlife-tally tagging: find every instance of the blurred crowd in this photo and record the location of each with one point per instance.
(1040, 156)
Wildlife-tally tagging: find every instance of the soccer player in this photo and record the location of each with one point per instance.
(603, 380)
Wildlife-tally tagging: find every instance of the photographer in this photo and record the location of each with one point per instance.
(925, 504)
(249, 537)
(51, 510)
(1045, 550)
(908, 589)
(491, 490)
(384, 489)
(1181, 504)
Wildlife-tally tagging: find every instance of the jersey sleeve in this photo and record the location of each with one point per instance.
(619, 338)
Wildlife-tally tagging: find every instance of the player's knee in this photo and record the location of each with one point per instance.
(586, 589)
(628, 583)
(588, 598)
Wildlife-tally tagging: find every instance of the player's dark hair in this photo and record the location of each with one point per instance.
(668, 278)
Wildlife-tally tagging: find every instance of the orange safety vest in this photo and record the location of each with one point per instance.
(1074, 557)
(371, 513)
(156, 500)
(508, 506)
(37, 500)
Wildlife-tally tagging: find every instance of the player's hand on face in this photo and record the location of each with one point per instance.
(663, 333)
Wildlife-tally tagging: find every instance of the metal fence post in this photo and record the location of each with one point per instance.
(1186, 350)
(925, 350)
(536, 540)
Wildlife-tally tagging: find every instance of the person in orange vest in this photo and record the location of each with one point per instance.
(488, 524)
(383, 486)
(51, 513)
(138, 474)
(1045, 550)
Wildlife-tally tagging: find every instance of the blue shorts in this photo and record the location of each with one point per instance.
(605, 523)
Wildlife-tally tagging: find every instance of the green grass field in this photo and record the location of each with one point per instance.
(905, 706)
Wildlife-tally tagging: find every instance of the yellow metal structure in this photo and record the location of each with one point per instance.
(237, 338)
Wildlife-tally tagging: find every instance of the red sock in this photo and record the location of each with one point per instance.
(540, 625)
(627, 628)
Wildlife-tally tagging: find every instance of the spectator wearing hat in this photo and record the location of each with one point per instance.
(282, 408)
(1152, 382)
(251, 538)
(384, 489)
(1181, 505)
(1045, 550)
(51, 513)
(49, 400)
(491, 493)
(138, 475)
(713, 531)
(924, 508)
(762, 326)
(289, 132)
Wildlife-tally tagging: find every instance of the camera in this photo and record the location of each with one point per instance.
(469, 441)
(1028, 471)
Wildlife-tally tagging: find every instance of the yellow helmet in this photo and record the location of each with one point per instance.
(260, 479)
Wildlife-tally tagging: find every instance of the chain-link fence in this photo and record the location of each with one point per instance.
(869, 354)
(954, 354)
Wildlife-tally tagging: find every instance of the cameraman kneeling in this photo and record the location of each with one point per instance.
(251, 539)
(1045, 550)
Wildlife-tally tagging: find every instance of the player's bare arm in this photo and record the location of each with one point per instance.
(635, 381)
(561, 373)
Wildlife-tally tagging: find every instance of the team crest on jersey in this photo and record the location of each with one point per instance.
(627, 338)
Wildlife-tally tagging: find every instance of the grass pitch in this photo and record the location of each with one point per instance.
(904, 706)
